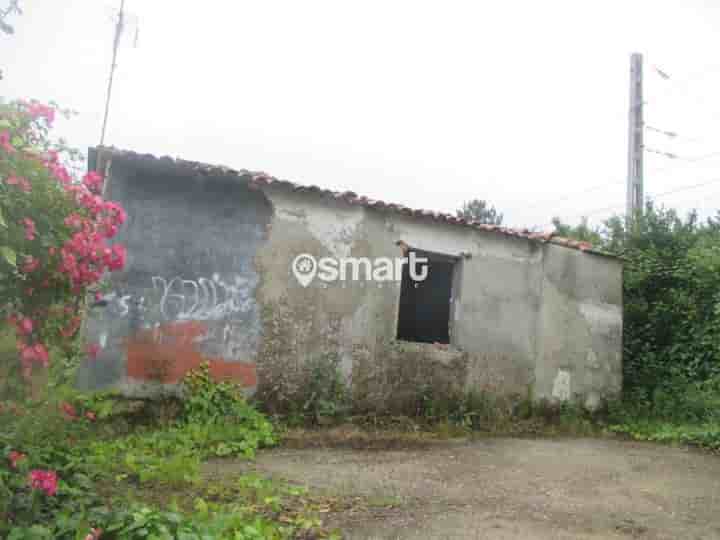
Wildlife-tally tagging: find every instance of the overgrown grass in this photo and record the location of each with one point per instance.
(679, 411)
(706, 435)
(119, 470)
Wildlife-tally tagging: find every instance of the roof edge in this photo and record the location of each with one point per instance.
(259, 180)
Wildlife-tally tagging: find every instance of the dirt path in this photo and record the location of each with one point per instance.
(517, 489)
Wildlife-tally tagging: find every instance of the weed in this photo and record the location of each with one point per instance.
(328, 398)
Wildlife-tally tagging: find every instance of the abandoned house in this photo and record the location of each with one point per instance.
(218, 270)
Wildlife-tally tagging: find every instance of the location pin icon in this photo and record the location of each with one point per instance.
(304, 267)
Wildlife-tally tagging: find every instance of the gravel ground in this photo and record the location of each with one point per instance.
(516, 489)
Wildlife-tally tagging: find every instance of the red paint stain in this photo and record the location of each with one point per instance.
(168, 352)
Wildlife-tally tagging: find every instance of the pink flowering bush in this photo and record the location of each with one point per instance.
(45, 481)
(54, 234)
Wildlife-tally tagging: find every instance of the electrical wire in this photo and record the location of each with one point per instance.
(673, 84)
(615, 181)
(670, 134)
(652, 197)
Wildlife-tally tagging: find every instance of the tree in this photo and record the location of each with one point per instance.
(479, 210)
(12, 8)
(581, 232)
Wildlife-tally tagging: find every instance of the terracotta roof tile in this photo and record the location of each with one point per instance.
(260, 179)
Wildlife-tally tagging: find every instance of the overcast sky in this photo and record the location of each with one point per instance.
(427, 103)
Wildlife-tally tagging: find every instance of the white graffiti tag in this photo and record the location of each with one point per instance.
(117, 303)
(202, 299)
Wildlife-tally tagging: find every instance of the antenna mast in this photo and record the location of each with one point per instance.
(116, 41)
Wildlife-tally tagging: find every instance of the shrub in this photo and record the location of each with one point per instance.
(54, 232)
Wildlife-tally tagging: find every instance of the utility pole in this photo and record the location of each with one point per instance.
(116, 41)
(635, 201)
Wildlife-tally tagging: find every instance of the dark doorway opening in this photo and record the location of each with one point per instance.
(425, 305)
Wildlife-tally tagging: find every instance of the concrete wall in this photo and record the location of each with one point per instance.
(188, 290)
(580, 353)
(526, 319)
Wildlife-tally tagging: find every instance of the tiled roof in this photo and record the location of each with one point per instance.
(260, 179)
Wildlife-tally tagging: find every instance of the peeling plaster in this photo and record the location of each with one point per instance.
(336, 230)
(592, 360)
(561, 386)
(603, 317)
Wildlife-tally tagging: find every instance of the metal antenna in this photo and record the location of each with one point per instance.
(116, 42)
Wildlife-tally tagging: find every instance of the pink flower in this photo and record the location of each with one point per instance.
(68, 410)
(34, 354)
(93, 181)
(24, 185)
(94, 534)
(74, 221)
(25, 326)
(92, 202)
(41, 354)
(38, 110)
(30, 230)
(31, 264)
(44, 480)
(60, 173)
(28, 354)
(5, 142)
(116, 261)
(14, 457)
(117, 213)
(90, 416)
(92, 350)
(110, 231)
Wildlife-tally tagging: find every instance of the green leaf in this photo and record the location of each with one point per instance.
(9, 254)
(2, 219)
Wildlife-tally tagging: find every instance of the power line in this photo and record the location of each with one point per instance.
(670, 134)
(653, 197)
(673, 84)
(686, 188)
(679, 136)
(636, 104)
(660, 152)
(616, 181)
(703, 157)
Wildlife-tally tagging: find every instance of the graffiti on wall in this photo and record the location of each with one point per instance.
(119, 305)
(202, 298)
(179, 299)
(183, 321)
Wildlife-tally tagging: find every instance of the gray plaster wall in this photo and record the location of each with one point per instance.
(580, 353)
(524, 315)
